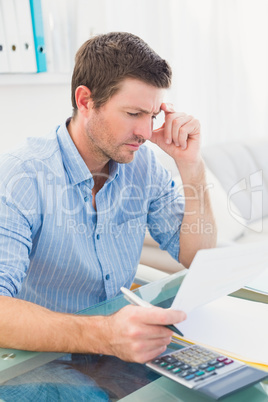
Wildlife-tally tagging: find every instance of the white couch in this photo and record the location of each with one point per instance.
(237, 175)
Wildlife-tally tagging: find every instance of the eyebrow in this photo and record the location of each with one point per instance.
(142, 110)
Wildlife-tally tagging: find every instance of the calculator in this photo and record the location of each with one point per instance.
(206, 371)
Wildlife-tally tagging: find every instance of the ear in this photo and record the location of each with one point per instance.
(83, 99)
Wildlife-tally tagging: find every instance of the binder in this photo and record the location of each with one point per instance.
(57, 36)
(11, 34)
(38, 32)
(49, 34)
(4, 65)
(26, 39)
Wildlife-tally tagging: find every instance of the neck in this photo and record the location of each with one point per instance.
(94, 161)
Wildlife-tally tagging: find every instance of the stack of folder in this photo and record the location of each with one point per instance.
(225, 296)
(22, 44)
(235, 325)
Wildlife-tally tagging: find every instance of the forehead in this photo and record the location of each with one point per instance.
(134, 93)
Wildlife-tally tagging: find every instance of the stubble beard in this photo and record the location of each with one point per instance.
(97, 130)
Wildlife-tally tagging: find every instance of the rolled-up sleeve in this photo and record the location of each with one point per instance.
(166, 211)
(17, 199)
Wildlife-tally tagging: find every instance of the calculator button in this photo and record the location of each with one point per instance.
(170, 367)
(221, 359)
(163, 364)
(199, 373)
(228, 361)
(199, 361)
(203, 366)
(156, 361)
(185, 367)
(192, 370)
(189, 377)
(219, 365)
(169, 359)
(211, 368)
(176, 370)
(212, 362)
(183, 374)
(178, 364)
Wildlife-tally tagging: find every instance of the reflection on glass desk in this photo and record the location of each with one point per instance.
(26, 376)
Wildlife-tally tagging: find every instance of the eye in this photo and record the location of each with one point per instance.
(133, 114)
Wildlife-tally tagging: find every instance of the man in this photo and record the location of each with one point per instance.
(74, 208)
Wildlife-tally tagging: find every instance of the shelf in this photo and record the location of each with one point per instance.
(35, 79)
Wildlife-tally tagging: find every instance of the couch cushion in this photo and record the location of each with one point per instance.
(243, 172)
(225, 212)
(255, 232)
(227, 216)
(229, 222)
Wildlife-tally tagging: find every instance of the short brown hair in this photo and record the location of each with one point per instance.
(105, 60)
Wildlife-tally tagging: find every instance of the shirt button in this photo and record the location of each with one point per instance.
(86, 199)
(107, 277)
(98, 236)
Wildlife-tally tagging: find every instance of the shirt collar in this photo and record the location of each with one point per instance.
(113, 171)
(74, 164)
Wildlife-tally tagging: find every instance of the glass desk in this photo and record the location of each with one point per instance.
(28, 376)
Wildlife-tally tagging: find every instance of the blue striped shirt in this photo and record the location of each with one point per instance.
(55, 249)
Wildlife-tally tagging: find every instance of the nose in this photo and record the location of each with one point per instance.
(144, 129)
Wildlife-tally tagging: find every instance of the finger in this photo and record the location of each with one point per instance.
(157, 331)
(148, 331)
(140, 324)
(149, 344)
(177, 124)
(187, 130)
(167, 108)
(160, 316)
(158, 342)
(150, 350)
(169, 121)
(152, 354)
(183, 136)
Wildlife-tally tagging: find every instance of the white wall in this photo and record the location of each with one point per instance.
(218, 50)
(31, 110)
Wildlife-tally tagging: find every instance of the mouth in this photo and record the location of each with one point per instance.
(134, 146)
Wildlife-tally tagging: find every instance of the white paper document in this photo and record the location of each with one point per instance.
(214, 319)
(259, 284)
(235, 326)
(218, 272)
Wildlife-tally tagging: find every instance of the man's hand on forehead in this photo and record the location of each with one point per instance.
(179, 134)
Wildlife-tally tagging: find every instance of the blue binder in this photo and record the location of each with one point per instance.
(38, 32)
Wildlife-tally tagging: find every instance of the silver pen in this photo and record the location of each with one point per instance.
(137, 301)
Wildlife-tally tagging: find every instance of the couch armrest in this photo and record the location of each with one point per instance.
(160, 259)
(146, 274)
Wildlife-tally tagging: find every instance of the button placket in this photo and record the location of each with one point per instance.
(103, 214)
(86, 190)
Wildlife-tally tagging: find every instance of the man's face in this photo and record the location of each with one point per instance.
(117, 129)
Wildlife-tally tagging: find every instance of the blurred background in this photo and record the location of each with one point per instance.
(218, 50)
